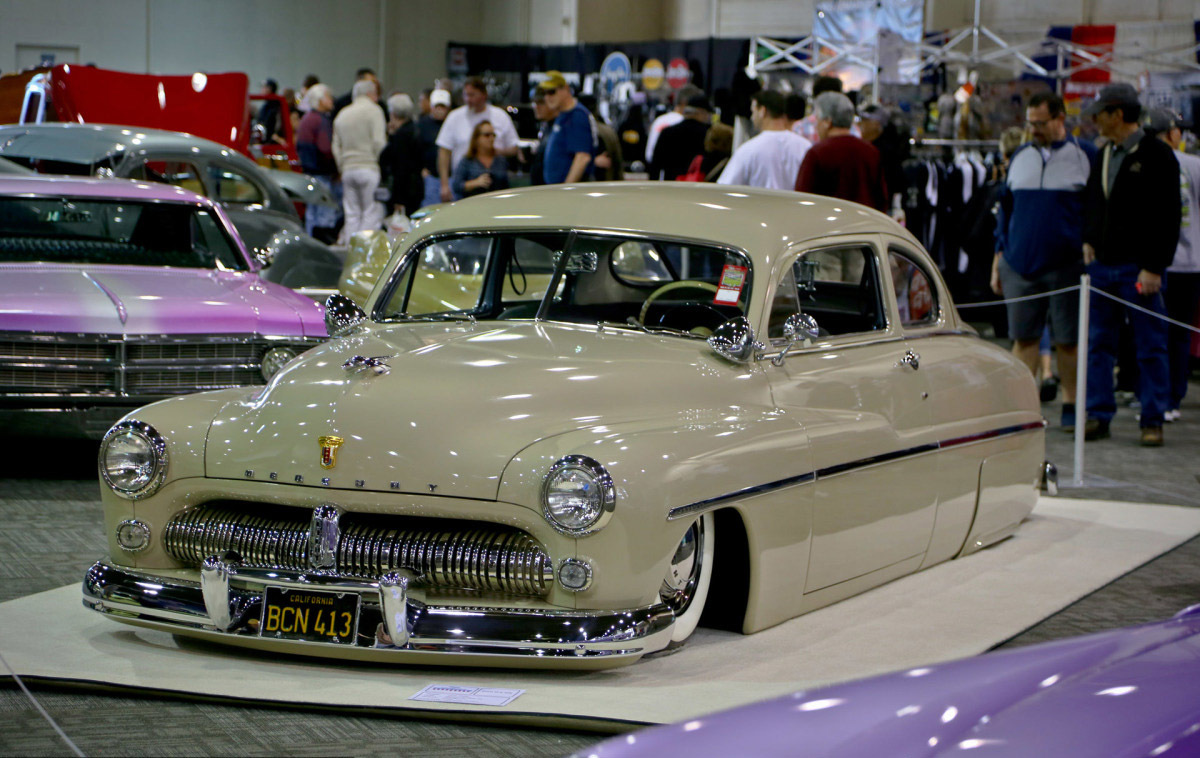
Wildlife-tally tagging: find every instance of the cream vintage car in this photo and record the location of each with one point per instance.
(664, 405)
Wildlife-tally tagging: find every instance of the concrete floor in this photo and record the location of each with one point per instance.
(50, 534)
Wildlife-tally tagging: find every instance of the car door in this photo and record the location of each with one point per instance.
(966, 410)
(864, 405)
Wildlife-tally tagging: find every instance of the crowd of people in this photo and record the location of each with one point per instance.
(1125, 208)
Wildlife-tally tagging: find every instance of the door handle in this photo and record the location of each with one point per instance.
(910, 359)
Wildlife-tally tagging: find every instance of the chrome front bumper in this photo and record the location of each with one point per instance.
(226, 605)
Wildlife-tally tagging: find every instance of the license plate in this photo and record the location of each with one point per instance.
(310, 615)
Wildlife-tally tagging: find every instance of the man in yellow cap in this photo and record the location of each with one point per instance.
(573, 140)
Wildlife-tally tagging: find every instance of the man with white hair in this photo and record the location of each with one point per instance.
(314, 147)
(359, 136)
(401, 159)
(840, 164)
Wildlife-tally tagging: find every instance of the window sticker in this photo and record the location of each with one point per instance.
(729, 290)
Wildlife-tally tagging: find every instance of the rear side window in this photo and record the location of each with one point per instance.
(231, 186)
(916, 297)
(177, 173)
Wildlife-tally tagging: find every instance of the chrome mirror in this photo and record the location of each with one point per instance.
(341, 313)
(799, 327)
(734, 340)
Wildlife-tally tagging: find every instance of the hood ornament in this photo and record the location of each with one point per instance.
(361, 363)
(329, 447)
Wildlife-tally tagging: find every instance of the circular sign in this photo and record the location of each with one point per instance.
(678, 73)
(652, 73)
(615, 70)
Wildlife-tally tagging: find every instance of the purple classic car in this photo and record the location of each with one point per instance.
(114, 294)
(1119, 694)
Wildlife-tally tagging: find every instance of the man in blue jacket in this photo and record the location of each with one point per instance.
(1039, 238)
(1130, 233)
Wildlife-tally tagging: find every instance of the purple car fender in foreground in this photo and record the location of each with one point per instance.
(1119, 694)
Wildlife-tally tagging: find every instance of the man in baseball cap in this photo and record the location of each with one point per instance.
(573, 140)
(1114, 96)
(1131, 230)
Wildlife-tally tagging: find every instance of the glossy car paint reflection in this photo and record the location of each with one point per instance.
(839, 469)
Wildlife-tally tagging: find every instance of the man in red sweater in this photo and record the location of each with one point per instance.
(840, 164)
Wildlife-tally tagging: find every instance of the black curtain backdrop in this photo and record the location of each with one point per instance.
(718, 65)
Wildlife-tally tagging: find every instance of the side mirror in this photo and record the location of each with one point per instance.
(341, 313)
(800, 326)
(734, 341)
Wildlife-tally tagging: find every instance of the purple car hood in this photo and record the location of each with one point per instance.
(1131, 692)
(48, 297)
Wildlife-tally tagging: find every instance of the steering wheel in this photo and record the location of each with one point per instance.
(684, 284)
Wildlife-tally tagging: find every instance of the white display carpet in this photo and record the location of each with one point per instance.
(1066, 549)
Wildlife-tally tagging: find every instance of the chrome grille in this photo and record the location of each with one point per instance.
(195, 352)
(162, 382)
(142, 368)
(63, 351)
(447, 553)
(56, 379)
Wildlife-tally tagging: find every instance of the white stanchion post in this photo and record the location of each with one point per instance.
(1085, 299)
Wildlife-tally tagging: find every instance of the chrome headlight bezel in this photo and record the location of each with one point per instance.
(599, 476)
(157, 445)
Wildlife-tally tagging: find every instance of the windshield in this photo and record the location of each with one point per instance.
(97, 230)
(655, 285)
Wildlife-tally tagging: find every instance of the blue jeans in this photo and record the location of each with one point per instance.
(433, 191)
(1150, 335)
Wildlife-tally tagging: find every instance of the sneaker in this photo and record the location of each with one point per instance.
(1095, 429)
(1152, 436)
(1048, 390)
(1068, 418)
(1170, 416)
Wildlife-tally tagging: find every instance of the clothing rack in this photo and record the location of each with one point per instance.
(968, 144)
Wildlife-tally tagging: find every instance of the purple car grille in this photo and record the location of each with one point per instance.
(142, 369)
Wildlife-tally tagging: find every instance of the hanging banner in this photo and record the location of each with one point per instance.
(851, 28)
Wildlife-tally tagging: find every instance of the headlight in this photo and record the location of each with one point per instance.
(133, 459)
(578, 495)
(275, 359)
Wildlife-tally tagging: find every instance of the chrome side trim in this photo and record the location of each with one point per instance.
(692, 509)
(512, 633)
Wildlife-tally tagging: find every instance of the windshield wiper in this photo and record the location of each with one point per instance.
(633, 323)
(407, 319)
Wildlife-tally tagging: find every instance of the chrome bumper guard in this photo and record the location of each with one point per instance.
(228, 600)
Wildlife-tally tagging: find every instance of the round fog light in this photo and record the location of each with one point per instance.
(133, 535)
(275, 359)
(574, 574)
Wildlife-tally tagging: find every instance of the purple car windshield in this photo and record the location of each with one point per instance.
(123, 232)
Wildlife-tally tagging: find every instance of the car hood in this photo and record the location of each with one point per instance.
(47, 297)
(1130, 692)
(458, 401)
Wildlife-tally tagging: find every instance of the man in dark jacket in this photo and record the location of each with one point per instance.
(678, 145)
(1131, 229)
